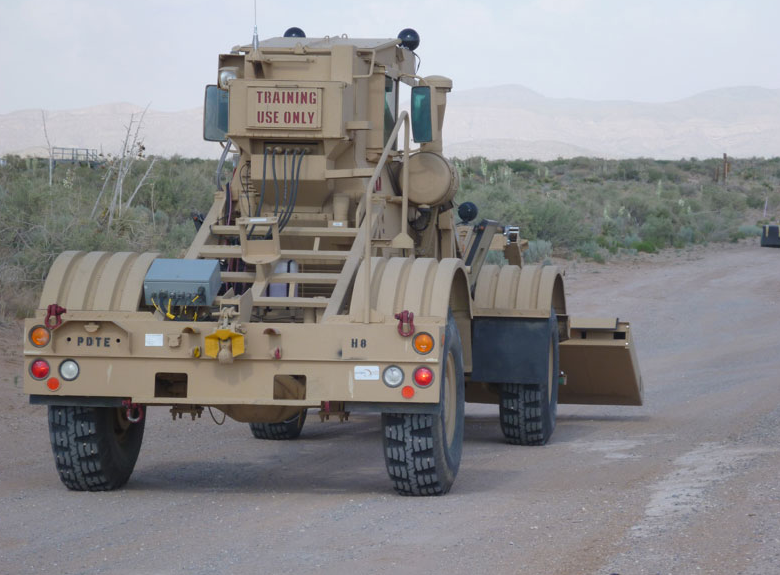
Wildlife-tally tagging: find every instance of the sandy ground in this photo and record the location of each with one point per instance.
(686, 484)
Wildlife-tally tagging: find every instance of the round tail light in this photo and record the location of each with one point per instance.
(40, 369)
(39, 336)
(423, 376)
(69, 370)
(423, 343)
(393, 376)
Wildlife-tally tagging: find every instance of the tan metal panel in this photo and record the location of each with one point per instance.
(112, 276)
(87, 273)
(485, 294)
(601, 366)
(594, 323)
(419, 286)
(58, 280)
(393, 286)
(550, 294)
(134, 282)
(528, 289)
(506, 287)
(446, 275)
(357, 303)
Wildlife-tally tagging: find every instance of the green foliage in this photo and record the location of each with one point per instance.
(644, 246)
(39, 222)
(538, 251)
(595, 208)
(582, 207)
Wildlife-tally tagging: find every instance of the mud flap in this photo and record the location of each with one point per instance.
(599, 361)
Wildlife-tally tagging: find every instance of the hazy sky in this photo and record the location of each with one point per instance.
(61, 54)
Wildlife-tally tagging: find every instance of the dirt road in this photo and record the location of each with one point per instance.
(686, 484)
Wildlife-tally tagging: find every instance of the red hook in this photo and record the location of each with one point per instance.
(56, 311)
(405, 323)
(135, 411)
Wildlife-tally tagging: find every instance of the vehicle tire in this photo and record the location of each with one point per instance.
(423, 451)
(528, 411)
(287, 429)
(95, 448)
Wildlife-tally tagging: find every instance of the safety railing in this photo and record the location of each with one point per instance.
(75, 155)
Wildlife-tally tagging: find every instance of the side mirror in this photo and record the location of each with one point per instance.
(215, 114)
(422, 129)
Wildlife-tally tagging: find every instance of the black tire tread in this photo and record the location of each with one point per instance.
(521, 416)
(279, 431)
(83, 452)
(409, 454)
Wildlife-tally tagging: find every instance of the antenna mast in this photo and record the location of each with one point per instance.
(255, 39)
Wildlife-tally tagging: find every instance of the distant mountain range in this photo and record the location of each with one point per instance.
(501, 122)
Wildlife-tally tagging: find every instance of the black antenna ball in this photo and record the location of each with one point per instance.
(410, 39)
(294, 32)
(467, 211)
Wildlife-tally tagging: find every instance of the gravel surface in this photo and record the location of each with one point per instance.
(686, 484)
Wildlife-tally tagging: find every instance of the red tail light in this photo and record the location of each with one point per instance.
(40, 369)
(423, 376)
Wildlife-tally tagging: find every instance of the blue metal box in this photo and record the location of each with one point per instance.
(184, 282)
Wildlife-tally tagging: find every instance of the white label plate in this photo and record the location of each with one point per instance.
(153, 340)
(366, 373)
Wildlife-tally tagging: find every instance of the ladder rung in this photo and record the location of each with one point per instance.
(291, 302)
(298, 278)
(304, 278)
(303, 255)
(219, 252)
(210, 251)
(293, 231)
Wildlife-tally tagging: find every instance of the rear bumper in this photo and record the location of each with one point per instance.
(134, 356)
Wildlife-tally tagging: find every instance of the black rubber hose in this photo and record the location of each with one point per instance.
(296, 182)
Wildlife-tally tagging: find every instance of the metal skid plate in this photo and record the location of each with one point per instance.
(182, 280)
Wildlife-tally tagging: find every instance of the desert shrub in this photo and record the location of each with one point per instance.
(608, 243)
(538, 251)
(659, 230)
(747, 231)
(644, 246)
(592, 250)
(637, 207)
(520, 166)
(556, 222)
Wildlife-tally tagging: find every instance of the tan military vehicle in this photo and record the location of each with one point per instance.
(330, 274)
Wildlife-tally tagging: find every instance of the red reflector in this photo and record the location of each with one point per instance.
(423, 376)
(53, 384)
(407, 392)
(39, 368)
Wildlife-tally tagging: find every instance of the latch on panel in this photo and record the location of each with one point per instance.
(226, 342)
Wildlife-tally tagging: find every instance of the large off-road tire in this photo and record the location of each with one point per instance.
(287, 429)
(95, 448)
(528, 411)
(423, 451)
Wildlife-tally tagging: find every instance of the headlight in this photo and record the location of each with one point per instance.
(225, 76)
